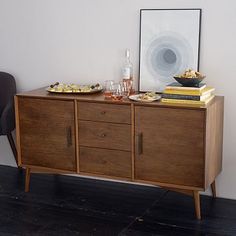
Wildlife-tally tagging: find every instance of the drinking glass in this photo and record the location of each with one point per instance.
(108, 87)
(117, 91)
(127, 86)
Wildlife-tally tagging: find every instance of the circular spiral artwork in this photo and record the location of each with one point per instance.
(168, 55)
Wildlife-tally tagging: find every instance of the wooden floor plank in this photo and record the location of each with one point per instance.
(67, 205)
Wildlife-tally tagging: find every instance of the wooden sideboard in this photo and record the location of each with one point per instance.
(177, 147)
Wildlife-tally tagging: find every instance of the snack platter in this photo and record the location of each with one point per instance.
(145, 97)
(74, 88)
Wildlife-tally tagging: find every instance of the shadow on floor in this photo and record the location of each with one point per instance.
(66, 205)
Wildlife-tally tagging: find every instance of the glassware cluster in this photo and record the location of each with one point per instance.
(118, 90)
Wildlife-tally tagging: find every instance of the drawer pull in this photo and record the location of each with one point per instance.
(103, 135)
(69, 136)
(139, 144)
(103, 112)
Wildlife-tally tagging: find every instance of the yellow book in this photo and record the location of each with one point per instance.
(203, 92)
(187, 102)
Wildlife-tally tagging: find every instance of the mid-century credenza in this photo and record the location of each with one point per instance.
(177, 147)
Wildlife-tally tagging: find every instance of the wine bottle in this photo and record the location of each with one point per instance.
(127, 74)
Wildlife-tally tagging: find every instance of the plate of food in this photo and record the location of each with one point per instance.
(74, 88)
(145, 97)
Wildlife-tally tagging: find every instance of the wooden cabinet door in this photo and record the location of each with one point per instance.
(169, 145)
(47, 133)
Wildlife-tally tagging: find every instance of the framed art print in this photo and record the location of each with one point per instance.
(169, 44)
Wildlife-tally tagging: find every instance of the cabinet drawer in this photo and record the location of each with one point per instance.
(114, 113)
(105, 135)
(105, 162)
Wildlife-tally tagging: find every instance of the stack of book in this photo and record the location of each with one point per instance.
(175, 93)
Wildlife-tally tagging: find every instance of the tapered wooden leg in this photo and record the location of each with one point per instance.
(196, 196)
(27, 179)
(213, 189)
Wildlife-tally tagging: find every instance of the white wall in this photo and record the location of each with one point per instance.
(83, 41)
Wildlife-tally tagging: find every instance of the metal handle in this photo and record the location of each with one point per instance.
(103, 112)
(69, 136)
(103, 135)
(139, 144)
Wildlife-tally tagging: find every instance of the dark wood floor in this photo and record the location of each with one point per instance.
(65, 205)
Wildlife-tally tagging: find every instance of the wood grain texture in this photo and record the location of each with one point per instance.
(105, 162)
(169, 185)
(105, 135)
(172, 146)
(47, 133)
(178, 147)
(77, 137)
(103, 177)
(214, 140)
(100, 98)
(133, 140)
(197, 204)
(184, 191)
(42, 169)
(213, 189)
(27, 180)
(112, 113)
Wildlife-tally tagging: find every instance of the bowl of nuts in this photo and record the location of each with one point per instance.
(190, 78)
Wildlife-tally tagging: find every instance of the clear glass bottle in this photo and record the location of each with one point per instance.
(127, 73)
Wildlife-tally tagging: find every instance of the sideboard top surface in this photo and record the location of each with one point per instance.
(99, 97)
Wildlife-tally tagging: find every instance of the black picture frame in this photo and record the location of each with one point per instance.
(173, 52)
